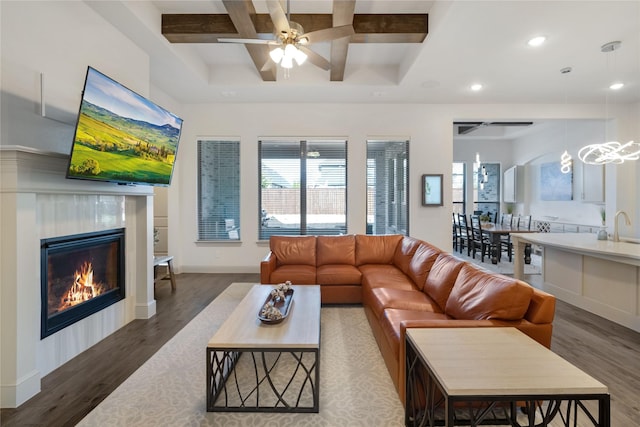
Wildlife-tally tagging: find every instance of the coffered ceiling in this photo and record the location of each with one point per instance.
(466, 42)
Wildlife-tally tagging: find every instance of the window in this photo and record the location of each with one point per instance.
(458, 178)
(387, 187)
(303, 187)
(218, 190)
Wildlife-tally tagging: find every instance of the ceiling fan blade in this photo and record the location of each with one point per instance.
(329, 34)
(246, 41)
(315, 59)
(278, 16)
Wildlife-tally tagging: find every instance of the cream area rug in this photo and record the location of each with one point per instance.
(170, 388)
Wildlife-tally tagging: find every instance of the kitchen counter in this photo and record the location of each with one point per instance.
(600, 276)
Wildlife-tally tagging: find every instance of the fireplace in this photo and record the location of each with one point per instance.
(81, 275)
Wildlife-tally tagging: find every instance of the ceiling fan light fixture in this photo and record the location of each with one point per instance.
(276, 54)
(290, 50)
(287, 62)
(300, 57)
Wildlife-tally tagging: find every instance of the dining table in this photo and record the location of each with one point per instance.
(496, 231)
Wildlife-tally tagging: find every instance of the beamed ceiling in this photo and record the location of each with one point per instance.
(390, 58)
(242, 21)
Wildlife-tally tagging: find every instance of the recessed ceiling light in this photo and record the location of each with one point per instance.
(616, 86)
(476, 87)
(537, 41)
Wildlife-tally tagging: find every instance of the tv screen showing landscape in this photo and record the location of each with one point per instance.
(121, 136)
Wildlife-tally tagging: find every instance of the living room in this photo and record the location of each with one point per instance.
(48, 66)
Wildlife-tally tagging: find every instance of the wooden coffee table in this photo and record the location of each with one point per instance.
(488, 367)
(279, 370)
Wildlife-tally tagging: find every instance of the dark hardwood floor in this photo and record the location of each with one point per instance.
(74, 389)
(608, 352)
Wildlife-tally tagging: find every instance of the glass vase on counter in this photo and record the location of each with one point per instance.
(602, 233)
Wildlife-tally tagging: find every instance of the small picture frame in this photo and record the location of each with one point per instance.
(432, 190)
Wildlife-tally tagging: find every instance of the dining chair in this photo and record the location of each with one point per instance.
(455, 238)
(506, 245)
(464, 234)
(478, 240)
(525, 222)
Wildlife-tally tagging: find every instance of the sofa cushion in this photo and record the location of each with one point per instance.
(338, 274)
(376, 249)
(294, 250)
(379, 299)
(297, 274)
(336, 250)
(404, 253)
(441, 278)
(478, 294)
(422, 262)
(384, 276)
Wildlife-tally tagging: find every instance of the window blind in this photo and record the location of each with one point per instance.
(218, 190)
(387, 187)
(303, 187)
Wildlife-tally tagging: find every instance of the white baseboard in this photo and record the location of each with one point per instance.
(219, 269)
(14, 395)
(145, 311)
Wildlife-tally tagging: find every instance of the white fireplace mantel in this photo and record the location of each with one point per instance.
(37, 202)
(25, 169)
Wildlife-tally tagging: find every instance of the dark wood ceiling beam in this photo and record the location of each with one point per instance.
(242, 15)
(369, 28)
(342, 15)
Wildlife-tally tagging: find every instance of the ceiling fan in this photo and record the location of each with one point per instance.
(292, 41)
(468, 127)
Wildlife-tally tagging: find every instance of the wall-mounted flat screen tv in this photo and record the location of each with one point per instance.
(121, 136)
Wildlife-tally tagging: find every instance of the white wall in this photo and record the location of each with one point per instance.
(429, 150)
(546, 146)
(429, 128)
(71, 36)
(59, 40)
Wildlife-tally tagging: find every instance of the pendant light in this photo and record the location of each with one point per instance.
(565, 158)
(610, 151)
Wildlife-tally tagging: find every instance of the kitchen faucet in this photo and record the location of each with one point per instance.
(616, 237)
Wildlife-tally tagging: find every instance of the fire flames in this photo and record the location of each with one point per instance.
(83, 287)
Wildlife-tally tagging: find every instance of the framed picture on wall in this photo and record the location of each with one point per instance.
(432, 190)
(555, 185)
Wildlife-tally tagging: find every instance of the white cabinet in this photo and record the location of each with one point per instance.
(513, 185)
(592, 183)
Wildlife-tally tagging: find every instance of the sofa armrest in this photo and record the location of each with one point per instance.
(542, 307)
(267, 266)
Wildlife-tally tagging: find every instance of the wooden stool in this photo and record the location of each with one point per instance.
(164, 261)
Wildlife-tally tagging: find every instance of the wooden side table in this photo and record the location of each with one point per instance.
(164, 260)
(487, 367)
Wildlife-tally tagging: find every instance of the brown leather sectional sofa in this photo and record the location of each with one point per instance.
(403, 282)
